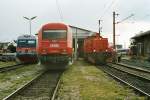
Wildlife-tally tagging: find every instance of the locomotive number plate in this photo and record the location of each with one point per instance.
(54, 45)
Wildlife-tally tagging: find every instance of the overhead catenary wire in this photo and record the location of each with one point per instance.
(145, 16)
(125, 19)
(59, 10)
(137, 19)
(107, 8)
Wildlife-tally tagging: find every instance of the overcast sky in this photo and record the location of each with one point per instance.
(80, 13)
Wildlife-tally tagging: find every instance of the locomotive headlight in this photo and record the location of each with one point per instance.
(106, 50)
(64, 50)
(94, 50)
(44, 50)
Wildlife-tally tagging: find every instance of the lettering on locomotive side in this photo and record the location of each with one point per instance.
(54, 45)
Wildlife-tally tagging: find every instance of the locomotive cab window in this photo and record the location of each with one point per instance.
(31, 41)
(54, 34)
(26, 43)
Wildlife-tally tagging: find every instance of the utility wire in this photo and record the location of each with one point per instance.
(59, 10)
(147, 15)
(125, 19)
(105, 5)
(110, 5)
(141, 18)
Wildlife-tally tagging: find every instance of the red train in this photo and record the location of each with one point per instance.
(26, 49)
(55, 44)
(97, 50)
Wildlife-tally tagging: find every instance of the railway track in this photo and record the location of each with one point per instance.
(133, 77)
(11, 67)
(137, 71)
(43, 87)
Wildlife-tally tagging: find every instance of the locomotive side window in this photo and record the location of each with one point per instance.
(26, 43)
(54, 34)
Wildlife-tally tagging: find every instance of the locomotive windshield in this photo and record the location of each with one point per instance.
(54, 34)
(26, 43)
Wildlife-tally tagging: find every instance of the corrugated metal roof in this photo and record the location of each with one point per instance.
(81, 33)
(80, 28)
(141, 34)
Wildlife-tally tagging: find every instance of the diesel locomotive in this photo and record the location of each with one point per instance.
(97, 50)
(55, 45)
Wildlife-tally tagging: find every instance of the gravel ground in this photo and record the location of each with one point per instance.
(83, 81)
(12, 80)
(3, 64)
(136, 62)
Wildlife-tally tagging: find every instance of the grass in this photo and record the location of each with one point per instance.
(3, 64)
(12, 80)
(85, 82)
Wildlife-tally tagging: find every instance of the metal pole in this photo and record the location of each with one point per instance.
(30, 25)
(75, 56)
(30, 19)
(99, 26)
(114, 42)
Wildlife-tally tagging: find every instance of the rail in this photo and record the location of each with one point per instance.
(143, 73)
(43, 86)
(140, 84)
(11, 67)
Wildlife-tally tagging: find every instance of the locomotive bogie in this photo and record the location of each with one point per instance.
(28, 58)
(62, 59)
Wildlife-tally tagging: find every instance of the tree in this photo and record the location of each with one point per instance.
(11, 48)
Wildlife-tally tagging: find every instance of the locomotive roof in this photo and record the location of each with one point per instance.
(55, 25)
(80, 32)
(26, 37)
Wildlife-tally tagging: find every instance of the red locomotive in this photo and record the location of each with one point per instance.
(26, 49)
(55, 44)
(96, 49)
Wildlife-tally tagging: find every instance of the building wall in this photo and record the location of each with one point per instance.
(147, 45)
(140, 46)
(143, 45)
